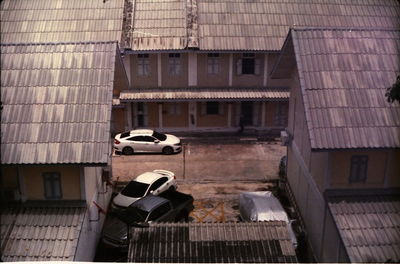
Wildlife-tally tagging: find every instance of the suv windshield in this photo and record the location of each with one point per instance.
(159, 136)
(135, 189)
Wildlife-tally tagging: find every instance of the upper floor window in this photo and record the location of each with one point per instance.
(358, 169)
(143, 64)
(174, 64)
(52, 185)
(213, 63)
(248, 64)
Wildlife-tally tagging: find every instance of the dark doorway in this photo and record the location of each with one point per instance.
(247, 113)
(140, 114)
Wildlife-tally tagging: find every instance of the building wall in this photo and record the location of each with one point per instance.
(9, 182)
(148, 81)
(121, 81)
(212, 80)
(152, 114)
(180, 81)
(272, 58)
(119, 120)
(379, 164)
(175, 119)
(204, 120)
(96, 191)
(33, 181)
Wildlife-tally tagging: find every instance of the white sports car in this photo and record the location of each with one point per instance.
(146, 140)
(154, 182)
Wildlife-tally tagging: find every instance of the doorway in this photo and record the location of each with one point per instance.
(246, 111)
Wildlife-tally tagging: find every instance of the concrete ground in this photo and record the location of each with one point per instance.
(213, 170)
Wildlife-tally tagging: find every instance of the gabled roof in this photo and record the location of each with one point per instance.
(205, 94)
(61, 21)
(56, 102)
(344, 74)
(240, 25)
(252, 242)
(368, 226)
(41, 231)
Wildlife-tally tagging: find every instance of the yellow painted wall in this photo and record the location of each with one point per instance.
(33, 181)
(174, 81)
(119, 117)
(173, 120)
(144, 81)
(212, 80)
(272, 58)
(377, 160)
(212, 120)
(120, 79)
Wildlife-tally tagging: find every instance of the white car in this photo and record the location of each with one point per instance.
(154, 182)
(146, 140)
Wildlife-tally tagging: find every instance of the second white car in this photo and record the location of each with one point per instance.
(154, 182)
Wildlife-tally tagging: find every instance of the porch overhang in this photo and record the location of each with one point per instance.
(204, 94)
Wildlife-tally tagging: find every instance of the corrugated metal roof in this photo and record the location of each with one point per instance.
(256, 242)
(61, 21)
(42, 232)
(56, 102)
(157, 25)
(264, 24)
(344, 75)
(199, 94)
(245, 25)
(369, 227)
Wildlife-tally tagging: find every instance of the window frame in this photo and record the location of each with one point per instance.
(174, 64)
(54, 179)
(358, 168)
(213, 63)
(143, 64)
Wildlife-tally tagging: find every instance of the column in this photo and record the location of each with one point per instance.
(192, 69)
(263, 114)
(229, 114)
(159, 70)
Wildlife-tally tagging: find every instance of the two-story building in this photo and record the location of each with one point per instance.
(203, 65)
(344, 140)
(58, 76)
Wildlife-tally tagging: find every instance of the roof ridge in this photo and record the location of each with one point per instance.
(324, 28)
(57, 43)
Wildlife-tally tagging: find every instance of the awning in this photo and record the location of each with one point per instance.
(204, 94)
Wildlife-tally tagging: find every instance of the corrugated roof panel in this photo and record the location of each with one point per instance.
(45, 119)
(355, 74)
(368, 233)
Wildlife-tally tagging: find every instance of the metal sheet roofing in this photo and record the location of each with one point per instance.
(199, 94)
(255, 242)
(41, 232)
(34, 21)
(264, 24)
(56, 102)
(344, 75)
(369, 227)
(156, 25)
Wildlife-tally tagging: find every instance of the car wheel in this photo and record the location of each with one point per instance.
(127, 151)
(168, 150)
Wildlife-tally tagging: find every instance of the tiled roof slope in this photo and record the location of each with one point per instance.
(56, 102)
(369, 227)
(264, 24)
(37, 21)
(343, 76)
(41, 232)
(228, 94)
(157, 25)
(261, 242)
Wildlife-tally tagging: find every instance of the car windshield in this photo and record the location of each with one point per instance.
(125, 134)
(135, 189)
(159, 136)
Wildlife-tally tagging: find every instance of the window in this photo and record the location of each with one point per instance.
(174, 64)
(148, 139)
(248, 64)
(136, 138)
(174, 109)
(158, 183)
(358, 170)
(213, 63)
(212, 108)
(280, 114)
(52, 185)
(143, 64)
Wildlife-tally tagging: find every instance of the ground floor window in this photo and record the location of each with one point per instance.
(52, 185)
(212, 108)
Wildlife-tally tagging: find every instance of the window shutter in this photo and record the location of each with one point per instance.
(203, 108)
(257, 67)
(239, 67)
(221, 108)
